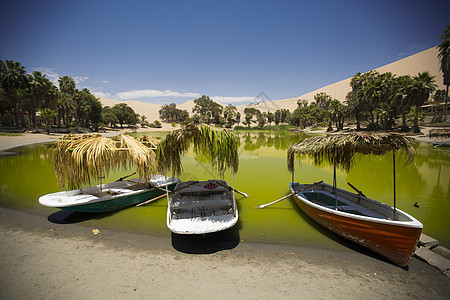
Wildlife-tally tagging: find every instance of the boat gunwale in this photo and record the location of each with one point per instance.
(145, 188)
(412, 223)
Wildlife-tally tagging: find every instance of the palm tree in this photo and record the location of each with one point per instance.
(67, 85)
(356, 99)
(40, 91)
(14, 82)
(401, 93)
(415, 116)
(423, 86)
(444, 56)
(323, 101)
(338, 114)
(48, 115)
(66, 108)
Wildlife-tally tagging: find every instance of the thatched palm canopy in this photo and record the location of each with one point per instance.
(219, 145)
(341, 148)
(79, 159)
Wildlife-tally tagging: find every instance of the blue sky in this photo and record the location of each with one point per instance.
(174, 51)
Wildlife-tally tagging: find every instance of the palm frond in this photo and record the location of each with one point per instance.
(341, 148)
(218, 145)
(79, 159)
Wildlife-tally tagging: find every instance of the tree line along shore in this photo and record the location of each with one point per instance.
(376, 101)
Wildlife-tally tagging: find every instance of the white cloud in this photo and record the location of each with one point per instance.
(137, 94)
(101, 94)
(53, 76)
(80, 79)
(222, 99)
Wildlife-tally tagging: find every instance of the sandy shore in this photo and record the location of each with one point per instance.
(43, 260)
(11, 142)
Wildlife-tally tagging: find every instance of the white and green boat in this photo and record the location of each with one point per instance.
(79, 159)
(110, 196)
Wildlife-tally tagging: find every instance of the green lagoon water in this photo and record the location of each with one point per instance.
(264, 176)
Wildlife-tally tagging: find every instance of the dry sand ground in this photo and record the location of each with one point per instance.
(44, 260)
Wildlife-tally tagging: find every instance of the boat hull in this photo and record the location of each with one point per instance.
(91, 200)
(108, 205)
(391, 239)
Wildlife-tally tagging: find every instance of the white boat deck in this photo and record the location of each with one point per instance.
(105, 192)
(201, 207)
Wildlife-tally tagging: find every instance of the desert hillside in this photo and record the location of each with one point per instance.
(423, 61)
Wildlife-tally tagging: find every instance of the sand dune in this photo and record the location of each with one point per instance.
(423, 61)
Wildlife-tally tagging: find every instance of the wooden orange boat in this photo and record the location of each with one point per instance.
(362, 220)
(383, 229)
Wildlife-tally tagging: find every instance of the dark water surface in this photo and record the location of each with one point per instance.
(263, 175)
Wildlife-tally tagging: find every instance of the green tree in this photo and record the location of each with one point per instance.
(229, 114)
(48, 115)
(124, 114)
(270, 117)
(277, 117)
(423, 86)
(36, 84)
(402, 97)
(285, 115)
(323, 102)
(262, 119)
(248, 119)
(66, 108)
(89, 109)
(207, 110)
(415, 116)
(171, 114)
(109, 117)
(67, 85)
(302, 103)
(337, 109)
(13, 83)
(238, 118)
(444, 57)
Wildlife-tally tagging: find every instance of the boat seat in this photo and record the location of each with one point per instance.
(200, 212)
(77, 198)
(197, 203)
(120, 191)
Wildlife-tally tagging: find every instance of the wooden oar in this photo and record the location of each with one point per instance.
(239, 192)
(358, 191)
(186, 186)
(151, 200)
(122, 178)
(231, 189)
(287, 196)
(164, 190)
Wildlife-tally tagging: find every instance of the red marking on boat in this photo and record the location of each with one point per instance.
(210, 186)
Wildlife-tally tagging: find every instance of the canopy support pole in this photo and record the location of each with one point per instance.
(395, 197)
(234, 199)
(334, 181)
(101, 185)
(167, 189)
